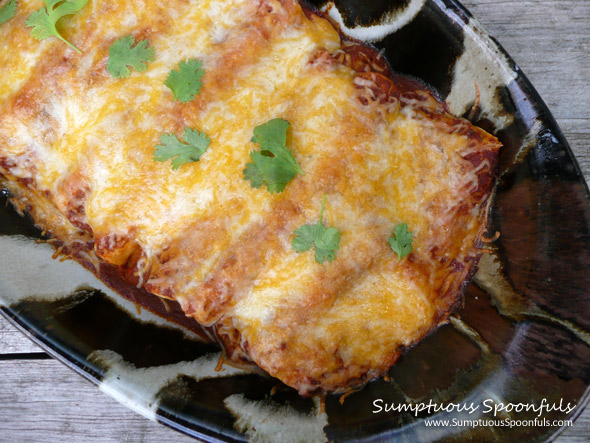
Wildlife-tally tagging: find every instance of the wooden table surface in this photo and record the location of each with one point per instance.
(42, 400)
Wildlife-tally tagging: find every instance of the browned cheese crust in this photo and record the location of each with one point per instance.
(76, 148)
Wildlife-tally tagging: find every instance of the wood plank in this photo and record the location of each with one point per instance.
(550, 41)
(12, 341)
(44, 401)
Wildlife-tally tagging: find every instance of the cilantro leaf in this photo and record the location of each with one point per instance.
(186, 83)
(44, 20)
(7, 11)
(121, 55)
(326, 240)
(401, 240)
(274, 164)
(191, 151)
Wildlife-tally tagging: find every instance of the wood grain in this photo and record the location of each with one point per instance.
(12, 340)
(550, 41)
(42, 400)
(47, 402)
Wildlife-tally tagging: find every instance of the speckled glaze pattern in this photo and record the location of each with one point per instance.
(521, 334)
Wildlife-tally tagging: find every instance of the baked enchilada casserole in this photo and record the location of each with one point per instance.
(314, 212)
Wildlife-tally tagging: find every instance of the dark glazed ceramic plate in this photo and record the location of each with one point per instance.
(522, 335)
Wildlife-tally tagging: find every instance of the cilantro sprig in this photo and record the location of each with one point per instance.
(274, 165)
(326, 240)
(186, 82)
(401, 240)
(7, 11)
(181, 153)
(44, 20)
(122, 54)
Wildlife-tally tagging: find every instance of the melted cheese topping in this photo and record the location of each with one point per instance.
(201, 235)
